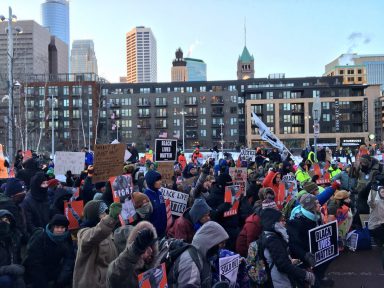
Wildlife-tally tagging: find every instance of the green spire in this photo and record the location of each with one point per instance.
(245, 56)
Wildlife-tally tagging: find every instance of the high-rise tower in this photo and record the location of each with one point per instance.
(179, 72)
(55, 16)
(83, 57)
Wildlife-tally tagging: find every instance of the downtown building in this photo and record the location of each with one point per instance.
(55, 16)
(83, 57)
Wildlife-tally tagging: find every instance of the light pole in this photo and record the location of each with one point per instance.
(183, 113)
(11, 18)
(222, 139)
(316, 114)
(52, 127)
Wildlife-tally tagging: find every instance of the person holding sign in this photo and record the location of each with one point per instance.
(274, 243)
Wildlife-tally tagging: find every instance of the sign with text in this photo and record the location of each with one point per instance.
(166, 170)
(323, 242)
(178, 199)
(153, 278)
(73, 161)
(122, 189)
(248, 154)
(232, 195)
(165, 150)
(239, 177)
(73, 211)
(109, 159)
(228, 269)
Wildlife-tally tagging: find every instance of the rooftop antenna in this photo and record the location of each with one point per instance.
(245, 31)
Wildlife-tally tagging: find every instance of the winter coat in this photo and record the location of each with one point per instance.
(274, 157)
(347, 182)
(88, 190)
(123, 271)
(182, 228)
(18, 213)
(376, 217)
(302, 176)
(159, 215)
(10, 245)
(182, 160)
(31, 167)
(95, 251)
(47, 260)
(269, 182)
(250, 232)
(189, 274)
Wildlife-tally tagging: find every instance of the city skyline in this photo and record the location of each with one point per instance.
(293, 37)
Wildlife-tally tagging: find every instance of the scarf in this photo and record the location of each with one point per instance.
(56, 238)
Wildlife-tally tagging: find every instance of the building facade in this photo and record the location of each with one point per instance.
(196, 69)
(83, 57)
(245, 65)
(179, 72)
(55, 16)
(141, 55)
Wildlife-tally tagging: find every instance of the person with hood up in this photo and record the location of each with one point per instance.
(272, 180)
(182, 160)
(51, 255)
(140, 254)
(274, 242)
(11, 272)
(334, 170)
(159, 215)
(308, 218)
(95, 244)
(196, 155)
(36, 205)
(301, 173)
(143, 207)
(191, 221)
(30, 168)
(189, 171)
(208, 240)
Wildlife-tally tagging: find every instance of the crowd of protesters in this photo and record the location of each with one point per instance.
(37, 248)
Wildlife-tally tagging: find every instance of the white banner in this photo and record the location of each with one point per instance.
(65, 161)
(228, 268)
(178, 200)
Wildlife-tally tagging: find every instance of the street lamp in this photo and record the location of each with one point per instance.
(222, 139)
(52, 126)
(316, 114)
(183, 113)
(11, 18)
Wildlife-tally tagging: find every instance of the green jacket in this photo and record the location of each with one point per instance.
(302, 176)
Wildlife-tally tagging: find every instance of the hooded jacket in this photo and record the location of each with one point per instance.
(208, 236)
(269, 181)
(7, 203)
(123, 271)
(250, 232)
(182, 228)
(31, 167)
(10, 244)
(35, 204)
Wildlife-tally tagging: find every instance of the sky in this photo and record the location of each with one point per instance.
(295, 37)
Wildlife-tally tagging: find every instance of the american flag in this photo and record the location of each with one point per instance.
(163, 135)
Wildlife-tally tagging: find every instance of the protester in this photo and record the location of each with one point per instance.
(347, 182)
(140, 254)
(50, 255)
(182, 160)
(272, 180)
(95, 244)
(18, 161)
(301, 173)
(30, 168)
(376, 217)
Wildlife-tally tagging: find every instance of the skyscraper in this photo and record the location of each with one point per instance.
(196, 69)
(141, 55)
(83, 57)
(55, 16)
(179, 72)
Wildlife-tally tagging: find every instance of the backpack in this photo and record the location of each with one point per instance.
(170, 250)
(257, 269)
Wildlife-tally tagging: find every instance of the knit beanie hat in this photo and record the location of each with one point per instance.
(139, 199)
(93, 209)
(308, 202)
(129, 168)
(53, 183)
(198, 210)
(99, 185)
(151, 177)
(310, 187)
(14, 186)
(59, 220)
(268, 203)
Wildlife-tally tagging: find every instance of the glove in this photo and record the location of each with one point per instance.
(114, 210)
(144, 239)
(335, 185)
(13, 269)
(310, 259)
(310, 278)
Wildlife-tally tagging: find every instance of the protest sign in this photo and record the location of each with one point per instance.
(122, 189)
(178, 199)
(232, 195)
(239, 177)
(166, 170)
(165, 150)
(73, 161)
(73, 211)
(127, 155)
(228, 268)
(108, 161)
(323, 242)
(248, 154)
(148, 156)
(154, 278)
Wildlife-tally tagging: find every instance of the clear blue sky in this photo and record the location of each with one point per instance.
(295, 37)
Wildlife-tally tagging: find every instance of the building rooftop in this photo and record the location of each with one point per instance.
(246, 56)
(194, 59)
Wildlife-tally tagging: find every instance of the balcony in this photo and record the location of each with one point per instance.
(191, 125)
(297, 111)
(161, 115)
(217, 124)
(217, 102)
(144, 126)
(143, 103)
(191, 115)
(143, 115)
(217, 113)
(115, 105)
(190, 103)
(160, 126)
(161, 104)
(191, 136)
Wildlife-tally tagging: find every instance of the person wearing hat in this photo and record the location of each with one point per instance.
(274, 240)
(192, 219)
(301, 173)
(36, 204)
(307, 218)
(11, 270)
(143, 207)
(10, 200)
(140, 254)
(159, 215)
(182, 160)
(196, 155)
(50, 255)
(99, 190)
(334, 170)
(96, 248)
(30, 168)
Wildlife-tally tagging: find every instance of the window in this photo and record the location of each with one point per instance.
(295, 95)
(325, 105)
(240, 100)
(359, 79)
(269, 107)
(341, 72)
(126, 101)
(203, 99)
(161, 101)
(233, 132)
(287, 94)
(176, 100)
(234, 99)
(269, 95)
(176, 122)
(89, 89)
(65, 102)
(255, 96)
(286, 106)
(126, 123)
(76, 90)
(359, 71)
(42, 91)
(66, 124)
(326, 117)
(158, 90)
(126, 112)
(188, 89)
(351, 79)
(233, 121)
(270, 118)
(66, 113)
(90, 102)
(53, 90)
(315, 93)
(66, 135)
(232, 88)
(145, 90)
(203, 121)
(75, 114)
(203, 89)
(203, 110)
(233, 110)
(42, 124)
(350, 72)
(287, 118)
(191, 100)
(144, 112)
(217, 121)
(203, 133)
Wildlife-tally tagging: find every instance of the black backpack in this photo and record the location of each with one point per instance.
(170, 250)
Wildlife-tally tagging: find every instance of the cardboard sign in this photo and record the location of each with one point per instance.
(108, 161)
(232, 195)
(65, 161)
(178, 200)
(165, 150)
(73, 211)
(228, 269)
(248, 154)
(166, 170)
(122, 189)
(154, 278)
(239, 177)
(323, 242)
